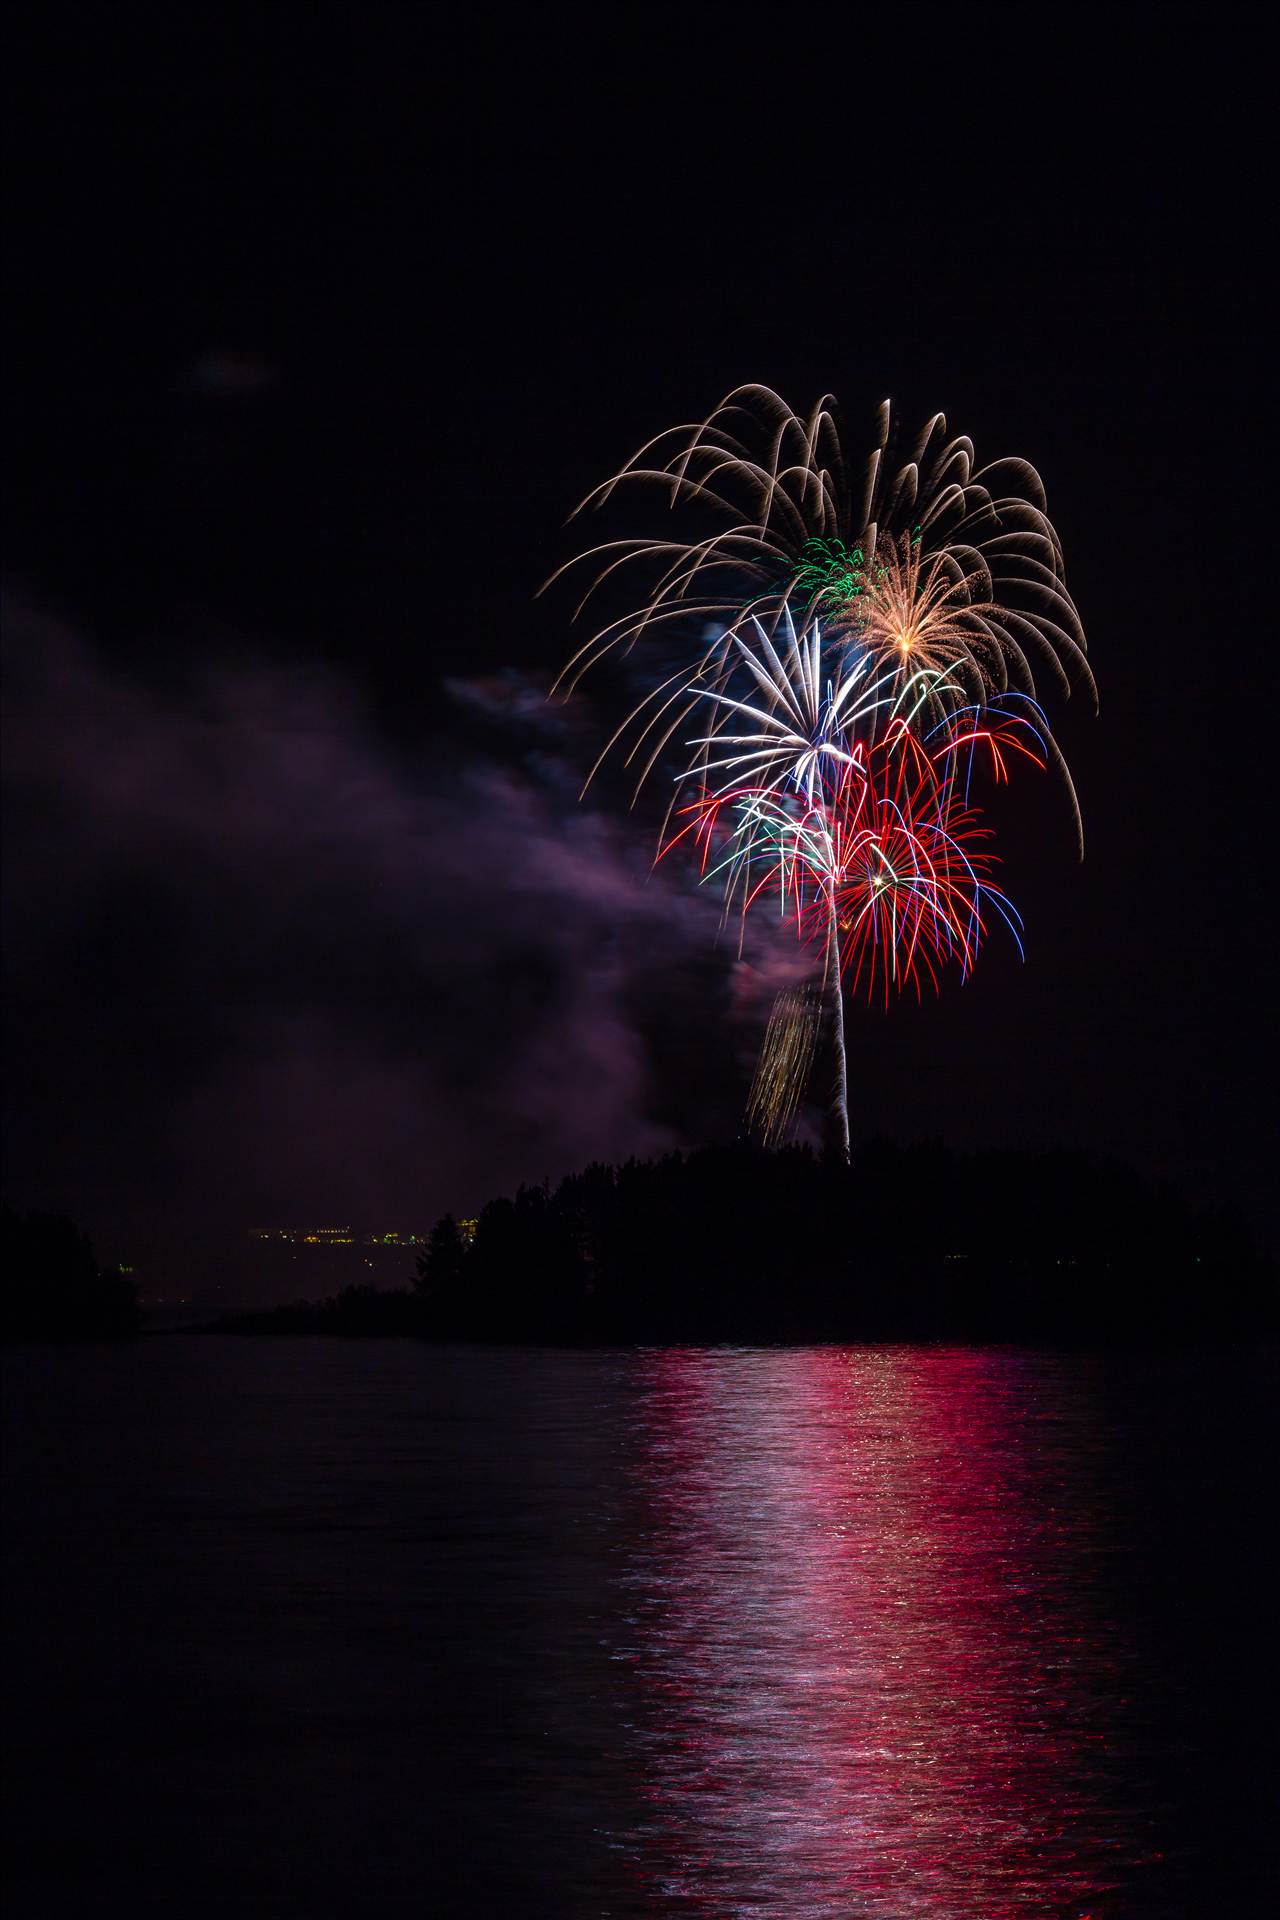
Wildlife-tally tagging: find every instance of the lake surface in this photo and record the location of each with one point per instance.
(370, 1628)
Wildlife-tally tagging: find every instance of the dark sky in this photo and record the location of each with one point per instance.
(318, 325)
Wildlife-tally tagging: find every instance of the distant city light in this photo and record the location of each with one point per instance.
(333, 1237)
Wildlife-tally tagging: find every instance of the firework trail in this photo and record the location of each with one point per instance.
(786, 1058)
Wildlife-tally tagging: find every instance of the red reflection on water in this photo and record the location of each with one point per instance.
(870, 1675)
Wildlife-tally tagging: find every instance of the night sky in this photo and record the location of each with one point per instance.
(318, 331)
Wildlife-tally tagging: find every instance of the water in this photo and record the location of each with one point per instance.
(371, 1628)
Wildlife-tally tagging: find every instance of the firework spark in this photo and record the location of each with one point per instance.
(800, 518)
(889, 868)
(785, 709)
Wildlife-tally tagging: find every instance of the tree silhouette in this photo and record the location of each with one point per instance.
(739, 1243)
(52, 1287)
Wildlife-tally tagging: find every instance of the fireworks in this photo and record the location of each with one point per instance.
(792, 521)
(888, 871)
(786, 1057)
(911, 890)
(869, 636)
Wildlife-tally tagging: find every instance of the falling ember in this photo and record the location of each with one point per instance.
(786, 1057)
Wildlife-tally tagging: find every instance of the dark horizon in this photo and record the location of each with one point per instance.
(302, 909)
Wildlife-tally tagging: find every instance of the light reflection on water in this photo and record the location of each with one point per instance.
(867, 1672)
(327, 1627)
